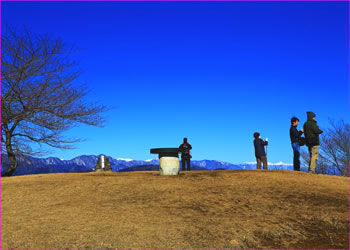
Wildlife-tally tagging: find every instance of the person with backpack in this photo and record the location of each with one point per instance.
(312, 132)
(185, 148)
(260, 151)
(295, 138)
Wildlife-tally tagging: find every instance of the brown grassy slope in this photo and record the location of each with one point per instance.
(207, 209)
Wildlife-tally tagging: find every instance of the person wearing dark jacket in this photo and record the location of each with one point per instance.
(294, 138)
(312, 132)
(185, 148)
(260, 151)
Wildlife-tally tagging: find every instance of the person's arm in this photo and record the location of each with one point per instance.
(317, 130)
(264, 143)
(189, 147)
(295, 133)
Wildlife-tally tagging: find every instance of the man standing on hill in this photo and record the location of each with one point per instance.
(294, 138)
(312, 132)
(185, 148)
(260, 151)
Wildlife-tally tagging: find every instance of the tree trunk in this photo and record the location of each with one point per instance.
(12, 157)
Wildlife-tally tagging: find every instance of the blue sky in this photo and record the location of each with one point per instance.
(214, 72)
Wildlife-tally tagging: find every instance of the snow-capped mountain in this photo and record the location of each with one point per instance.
(86, 163)
(212, 165)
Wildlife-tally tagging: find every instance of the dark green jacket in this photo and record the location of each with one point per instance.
(312, 131)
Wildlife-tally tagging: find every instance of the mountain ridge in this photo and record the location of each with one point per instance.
(86, 163)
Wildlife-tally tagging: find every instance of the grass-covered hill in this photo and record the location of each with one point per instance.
(199, 209)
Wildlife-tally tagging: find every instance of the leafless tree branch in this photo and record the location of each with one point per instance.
(333, 150)
(40, 95)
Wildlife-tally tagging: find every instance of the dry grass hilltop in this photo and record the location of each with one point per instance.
(200, 209)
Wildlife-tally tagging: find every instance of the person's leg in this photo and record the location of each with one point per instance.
(310, 150)
(264, 160)
(314, 157)
(316, 153)
(258, 163)
(188, 164)
(183, 162)
(296, 156)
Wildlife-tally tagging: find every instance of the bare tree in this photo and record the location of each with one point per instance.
(334, 146)
(333, 150)
(40, 98)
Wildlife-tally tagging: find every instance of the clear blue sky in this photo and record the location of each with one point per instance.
(214, 72)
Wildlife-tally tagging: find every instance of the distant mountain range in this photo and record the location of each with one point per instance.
(86, 163)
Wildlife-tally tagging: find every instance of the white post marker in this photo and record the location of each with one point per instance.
(103, 161)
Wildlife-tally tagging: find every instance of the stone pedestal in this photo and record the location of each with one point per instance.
(169, 165)
(103, 164)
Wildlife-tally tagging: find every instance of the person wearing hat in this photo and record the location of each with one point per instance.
(312, 132)
(260, 151)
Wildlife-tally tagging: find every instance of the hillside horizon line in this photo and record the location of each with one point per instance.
(154, 159)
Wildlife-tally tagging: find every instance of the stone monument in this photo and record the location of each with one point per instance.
(103, 164)
(169, 163)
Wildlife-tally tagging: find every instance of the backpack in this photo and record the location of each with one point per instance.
(301, 141)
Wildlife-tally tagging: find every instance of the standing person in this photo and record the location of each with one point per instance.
(312, 132)
(260, 151)
(294, 138)
(185, 148)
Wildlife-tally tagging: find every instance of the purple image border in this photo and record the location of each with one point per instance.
(183, 1)
(175, 1)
